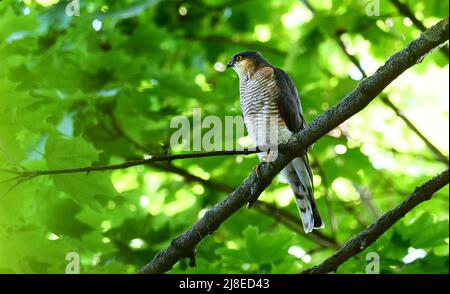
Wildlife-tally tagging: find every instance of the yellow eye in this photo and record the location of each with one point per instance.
(238, 58)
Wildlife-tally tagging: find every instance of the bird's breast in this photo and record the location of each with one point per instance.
(258, 99)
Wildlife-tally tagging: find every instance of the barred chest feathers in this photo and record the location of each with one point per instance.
(258, 99)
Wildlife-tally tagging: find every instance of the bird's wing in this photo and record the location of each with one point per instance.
(298, 172)
(290, 108)
(288, 102)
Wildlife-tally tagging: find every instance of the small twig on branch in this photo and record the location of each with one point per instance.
(253, 186)
(364, 239)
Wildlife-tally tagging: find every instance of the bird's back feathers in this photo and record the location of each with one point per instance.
(288, 101)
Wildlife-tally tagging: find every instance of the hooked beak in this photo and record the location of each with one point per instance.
(230, 63)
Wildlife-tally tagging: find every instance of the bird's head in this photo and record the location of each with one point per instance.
(245, 63)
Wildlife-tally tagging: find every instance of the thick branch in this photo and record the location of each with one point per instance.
(367, 237)
(251, 188)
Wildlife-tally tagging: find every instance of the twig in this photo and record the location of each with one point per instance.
(309, 6)
(366, 199)
(10, 171)
(364, 239)
(127, 164)
(19, 181)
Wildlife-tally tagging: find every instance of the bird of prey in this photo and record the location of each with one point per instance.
(267, 92)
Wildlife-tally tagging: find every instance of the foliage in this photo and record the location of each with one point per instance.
(102, 87)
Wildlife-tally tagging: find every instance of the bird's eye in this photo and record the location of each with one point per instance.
(238, 58)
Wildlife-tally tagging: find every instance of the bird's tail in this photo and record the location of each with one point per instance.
(299, 176)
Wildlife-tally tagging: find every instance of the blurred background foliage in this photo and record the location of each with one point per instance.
(102, 87)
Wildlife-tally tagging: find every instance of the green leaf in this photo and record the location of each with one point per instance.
(93, 189)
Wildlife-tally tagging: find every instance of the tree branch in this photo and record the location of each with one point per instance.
(251, 188)
(364, 239)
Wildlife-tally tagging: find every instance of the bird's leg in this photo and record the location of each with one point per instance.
(265, 159)
(254, 192)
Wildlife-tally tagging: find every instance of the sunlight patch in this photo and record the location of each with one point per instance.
(124, 181)
(340, 149)
(46, 3)
(262, 33)
(97, 25)
(296, 251)
(144, 201)
(414, 254)
(345, 190)
(137, 243)
(296, 16)
(52, 236)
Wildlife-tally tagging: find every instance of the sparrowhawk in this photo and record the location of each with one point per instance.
(268, 94)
